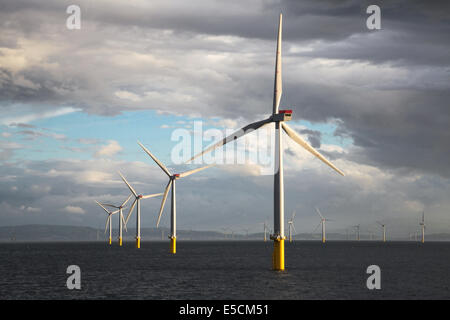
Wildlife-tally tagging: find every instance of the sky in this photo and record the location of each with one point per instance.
(74, 103)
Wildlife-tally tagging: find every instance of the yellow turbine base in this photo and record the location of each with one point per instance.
(278, 254)
(120, 241)
(173, 245)
(110, 240)
(323, 240)
(138, 243)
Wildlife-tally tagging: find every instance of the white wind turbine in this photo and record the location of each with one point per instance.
(278, 117)
(172, 179)
(422, 224)
(384, 230)
(291, 226)
(357, 231)
(137, 200)
(322, 222)
(121, 218)
(265, 231)
(108, 221)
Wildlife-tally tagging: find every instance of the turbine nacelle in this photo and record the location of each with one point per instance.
(282, 115)
(139, 196)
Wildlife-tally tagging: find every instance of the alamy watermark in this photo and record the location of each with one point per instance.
(373, 22)
(74, 280)
(73, 22)
(374, 280)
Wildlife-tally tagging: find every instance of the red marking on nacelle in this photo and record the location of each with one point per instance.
(140, 196)
(177, 175)
(285, 111)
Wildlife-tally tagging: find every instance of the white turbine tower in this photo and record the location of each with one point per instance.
(172, 179)
(108, 221)
(422, 224)
(357, 231)
(291, 226)
(137, 200)
(121, 218)
(265, 231)
(278, 117)
(322, 222)
(384, 230)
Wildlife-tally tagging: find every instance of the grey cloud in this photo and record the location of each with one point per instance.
(388, 90)
(314, 137)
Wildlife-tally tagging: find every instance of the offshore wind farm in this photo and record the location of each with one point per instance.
(308, 159)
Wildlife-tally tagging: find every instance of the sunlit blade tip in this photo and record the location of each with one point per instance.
(297, 138)
(159, 163)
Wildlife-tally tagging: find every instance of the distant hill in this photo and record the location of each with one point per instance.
(79, 233)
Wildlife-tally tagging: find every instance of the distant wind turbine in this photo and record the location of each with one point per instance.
(172, 179)
(108, 221)
(265, 232)
(137, 201)
(322, 221)
(291, 226)
(422, 224)
(278, 118)
(121, 218)
(357, 227)
(384, 230)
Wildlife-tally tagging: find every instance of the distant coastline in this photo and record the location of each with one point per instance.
(43, 233)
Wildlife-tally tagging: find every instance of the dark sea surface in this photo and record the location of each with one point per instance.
(225, 270)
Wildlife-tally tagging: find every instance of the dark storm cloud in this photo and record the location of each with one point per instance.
(314, 137)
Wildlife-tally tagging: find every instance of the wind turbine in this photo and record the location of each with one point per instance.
(137, 200)
(121, 218)
(278, 117)
(422, 224)
(291, 226)
(108, 221)
(322, 222)
(384, 230)
(265, 232)
(357, 231)
(172, 179)
(225, 232)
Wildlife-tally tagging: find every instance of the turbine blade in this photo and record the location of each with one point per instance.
(129, 186)
(124, 224)
(296, 137)
(107, 223)
(234, 136)
(131, 210)
(163, 202)
(125, 202)
(151, 195)
(320, 214)
(102, 207)
(110, 205)
(293, 227)
(278, 87)
(188, 173)
(159, 163)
